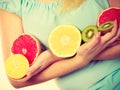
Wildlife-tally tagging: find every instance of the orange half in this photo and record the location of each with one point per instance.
(16, 66)
(64, 40)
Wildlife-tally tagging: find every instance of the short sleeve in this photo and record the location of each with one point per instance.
(13, 6)
(103, 3)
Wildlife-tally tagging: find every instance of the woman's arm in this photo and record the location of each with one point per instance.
(11, 28)
(109, 53)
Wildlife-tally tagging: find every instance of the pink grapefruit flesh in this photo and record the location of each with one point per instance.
(110, 14)
(28, 46)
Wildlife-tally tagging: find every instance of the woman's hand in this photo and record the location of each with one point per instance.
(89, 50)
(115, 43)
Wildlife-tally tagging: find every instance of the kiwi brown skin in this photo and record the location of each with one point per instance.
(88, 33)
(106, 27)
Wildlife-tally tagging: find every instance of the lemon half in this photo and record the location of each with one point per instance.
(16, 66)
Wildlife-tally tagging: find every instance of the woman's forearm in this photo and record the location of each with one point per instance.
(63, 67)
(109, 53)
(66, 66)
(55, 70)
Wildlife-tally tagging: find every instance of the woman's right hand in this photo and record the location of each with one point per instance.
(89, 50)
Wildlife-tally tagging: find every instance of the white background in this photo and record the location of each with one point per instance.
(5, 85)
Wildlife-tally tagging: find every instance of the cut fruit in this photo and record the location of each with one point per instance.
(28, 46)
(16, 66)
(110, 14)
(106, 27)
(64, 40)
(89, 32)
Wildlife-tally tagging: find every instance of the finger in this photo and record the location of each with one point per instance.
(35, 66)
(25, 78)
(115, 28)
(92, 45)
(116, 37)
(39, 65)
(119, 30)
(33, 69)
(108, 36)
(95, 40)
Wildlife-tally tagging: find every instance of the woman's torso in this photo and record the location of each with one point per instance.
(40, 18)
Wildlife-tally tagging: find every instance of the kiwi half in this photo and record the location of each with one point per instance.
(89, 32)
(106, 27)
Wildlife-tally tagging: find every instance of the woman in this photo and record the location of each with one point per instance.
(39, 17)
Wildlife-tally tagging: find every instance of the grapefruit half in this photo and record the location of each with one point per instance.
(28, 46)
(109, 14)
(64, 40)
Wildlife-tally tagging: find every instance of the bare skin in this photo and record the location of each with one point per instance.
(10, 30)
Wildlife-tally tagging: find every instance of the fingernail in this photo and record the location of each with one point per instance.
(98, 35)
(116, 21)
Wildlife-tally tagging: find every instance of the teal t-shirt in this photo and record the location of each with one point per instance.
(39, 18)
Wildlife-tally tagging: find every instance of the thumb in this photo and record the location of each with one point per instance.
(95, 40)
(33, 70)
(38, 66)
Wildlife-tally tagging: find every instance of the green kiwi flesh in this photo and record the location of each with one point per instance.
(89, 32)
(106, 27)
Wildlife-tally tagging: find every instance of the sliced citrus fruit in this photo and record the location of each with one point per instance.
(28, 46)
(16, 66)
(64, 40)
(109, 14)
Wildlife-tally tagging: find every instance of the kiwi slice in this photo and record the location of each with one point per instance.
(106, 27)
(89, 32)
